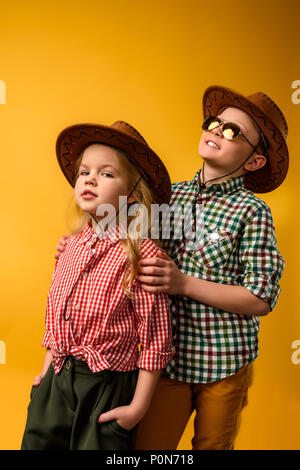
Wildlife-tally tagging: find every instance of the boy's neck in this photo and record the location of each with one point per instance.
(215, 174)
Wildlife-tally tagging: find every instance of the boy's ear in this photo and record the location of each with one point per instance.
(255, 163)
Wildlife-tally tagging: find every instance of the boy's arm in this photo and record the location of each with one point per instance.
(234, 299)
(61, 245)
(262, 269)
(167, 277)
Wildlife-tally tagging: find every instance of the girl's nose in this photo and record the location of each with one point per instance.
(90, 179)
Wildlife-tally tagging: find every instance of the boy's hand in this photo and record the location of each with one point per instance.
(61, 245)
(160, 274)
(37, 379)
(126, 416)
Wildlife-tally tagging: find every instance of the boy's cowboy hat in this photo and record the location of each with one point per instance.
(74, 139)
(272, 124)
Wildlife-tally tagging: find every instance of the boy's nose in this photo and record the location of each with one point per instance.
(217, 131)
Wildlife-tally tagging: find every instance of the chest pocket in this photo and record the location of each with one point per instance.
(214, 247)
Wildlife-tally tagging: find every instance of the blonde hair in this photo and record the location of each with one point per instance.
(142, 195)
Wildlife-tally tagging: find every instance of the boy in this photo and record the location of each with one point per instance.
(220, 286)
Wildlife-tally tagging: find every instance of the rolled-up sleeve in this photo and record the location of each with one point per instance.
(153, 322)
(262, 263)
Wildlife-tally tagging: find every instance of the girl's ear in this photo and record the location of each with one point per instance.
(131, 199)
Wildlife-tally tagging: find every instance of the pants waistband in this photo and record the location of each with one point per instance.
(82, 367)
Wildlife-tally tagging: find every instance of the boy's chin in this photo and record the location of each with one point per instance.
(208, 157)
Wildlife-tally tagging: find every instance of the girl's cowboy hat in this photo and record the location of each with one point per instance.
(272, 124)
(74, 139)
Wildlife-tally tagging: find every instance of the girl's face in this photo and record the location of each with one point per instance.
(225, 154)
(100, 179)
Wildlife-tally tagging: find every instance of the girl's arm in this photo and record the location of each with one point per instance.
(47, 362)
(129, 416)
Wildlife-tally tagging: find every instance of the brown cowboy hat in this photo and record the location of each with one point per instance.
(121, 135)
(272, 124)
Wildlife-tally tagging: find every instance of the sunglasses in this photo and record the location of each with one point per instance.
(229, 130)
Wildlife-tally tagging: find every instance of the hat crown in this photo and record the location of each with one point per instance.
(129, 130)
(263, 102)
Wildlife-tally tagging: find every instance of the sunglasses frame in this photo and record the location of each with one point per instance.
(223, 123)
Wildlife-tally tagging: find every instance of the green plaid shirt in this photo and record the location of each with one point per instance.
(236, 245)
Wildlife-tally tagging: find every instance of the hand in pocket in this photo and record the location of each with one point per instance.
(37, 379)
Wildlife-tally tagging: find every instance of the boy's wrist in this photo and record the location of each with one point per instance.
(185, 285)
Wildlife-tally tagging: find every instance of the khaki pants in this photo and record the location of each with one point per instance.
(218, 406)
(64, 409)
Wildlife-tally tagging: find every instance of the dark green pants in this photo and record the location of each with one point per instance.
(64, 409)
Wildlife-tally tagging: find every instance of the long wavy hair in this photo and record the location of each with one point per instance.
(142, 195)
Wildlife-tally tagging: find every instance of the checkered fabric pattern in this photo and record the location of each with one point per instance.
(89, 316)
(236, 245)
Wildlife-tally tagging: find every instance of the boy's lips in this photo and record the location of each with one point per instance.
(211, 143)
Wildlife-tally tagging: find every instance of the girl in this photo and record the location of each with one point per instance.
(106, 338)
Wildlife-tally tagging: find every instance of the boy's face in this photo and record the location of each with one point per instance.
(224, 154)
(100, 179)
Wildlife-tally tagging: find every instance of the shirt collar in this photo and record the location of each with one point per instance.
(224, 187)
(111, 235)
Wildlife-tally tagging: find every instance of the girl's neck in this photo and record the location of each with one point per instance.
(99, 227)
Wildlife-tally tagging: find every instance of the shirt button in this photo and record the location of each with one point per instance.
(85, 274)
(77, 307)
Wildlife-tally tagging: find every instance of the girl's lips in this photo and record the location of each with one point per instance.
(88, 195)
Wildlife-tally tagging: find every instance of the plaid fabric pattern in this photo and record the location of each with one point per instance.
(89, 316)
(236, 245)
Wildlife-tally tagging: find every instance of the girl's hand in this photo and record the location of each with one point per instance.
(160, 274)
(61, 245)
(37, 379)
(126, 416)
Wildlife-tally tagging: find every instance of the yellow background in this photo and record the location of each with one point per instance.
(148, 63)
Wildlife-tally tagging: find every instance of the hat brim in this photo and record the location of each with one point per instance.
(269, 177)
(74, 139)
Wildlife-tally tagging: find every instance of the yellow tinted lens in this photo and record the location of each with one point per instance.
(230, 131)
(211, 123)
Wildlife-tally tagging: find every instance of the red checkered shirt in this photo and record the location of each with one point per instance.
(90, 317)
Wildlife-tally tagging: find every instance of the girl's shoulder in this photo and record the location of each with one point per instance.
(148, 248)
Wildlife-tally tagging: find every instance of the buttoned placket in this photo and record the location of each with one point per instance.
(74, 285)
(89, 242)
